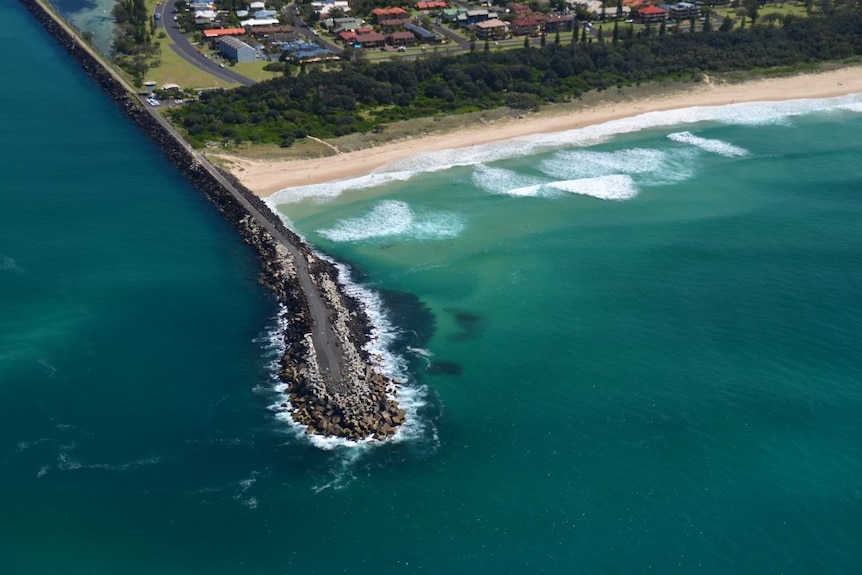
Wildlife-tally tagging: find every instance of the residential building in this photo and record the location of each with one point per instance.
(525, 27)
(650, 14)
(494, 29)
(424, 36)
(682, 11)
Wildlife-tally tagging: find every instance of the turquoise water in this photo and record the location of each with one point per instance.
(90, 16)
(633, 349)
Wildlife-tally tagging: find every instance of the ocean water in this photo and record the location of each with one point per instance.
(628, 349)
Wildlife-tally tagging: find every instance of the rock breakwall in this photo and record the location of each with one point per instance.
(355, 400)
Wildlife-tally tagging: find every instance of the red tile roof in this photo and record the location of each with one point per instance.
(216, 32)
(647, 10)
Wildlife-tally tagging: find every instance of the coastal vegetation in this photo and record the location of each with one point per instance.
(361, 97)
(134, 45)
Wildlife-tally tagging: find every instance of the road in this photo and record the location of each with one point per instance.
(191, 54)
(301, 27)
(324, 339)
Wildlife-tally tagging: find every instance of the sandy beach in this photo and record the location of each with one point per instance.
(267, 177)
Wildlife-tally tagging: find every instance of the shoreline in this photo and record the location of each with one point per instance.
(266, 177)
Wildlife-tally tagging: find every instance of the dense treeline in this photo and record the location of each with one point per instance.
(133, 38)
(362, 96)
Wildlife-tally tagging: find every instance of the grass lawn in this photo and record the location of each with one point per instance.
(782, 8)
(175, 70)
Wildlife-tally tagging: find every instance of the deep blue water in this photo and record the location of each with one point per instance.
(637, 353)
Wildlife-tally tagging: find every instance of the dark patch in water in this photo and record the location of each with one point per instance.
(445, 367)
(416, 320)
(469, 323)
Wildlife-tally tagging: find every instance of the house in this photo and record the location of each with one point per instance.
(556, 23)
(392, 23)
(306, 51)
(401, 39)
(324, 8)
(525, 27)
(236, 50)
(338, 24)
(494, 29)
(650, 14)
(370, 40)
(682, 11)
(424, 36)
(257, 5)
(434, 5)
(347, 36)
(203, 17)
(219, 32)
(381, 14)
(476, 16)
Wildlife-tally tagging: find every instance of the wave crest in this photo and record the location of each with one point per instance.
(707, 145)
(395, 218)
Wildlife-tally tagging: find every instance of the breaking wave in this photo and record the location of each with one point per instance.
(394, 218)
(712, 146)
(745, 114)
(503, 181)
(616, 187)
(410, 396)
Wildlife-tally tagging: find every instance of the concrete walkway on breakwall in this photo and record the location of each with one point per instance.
(330, 360)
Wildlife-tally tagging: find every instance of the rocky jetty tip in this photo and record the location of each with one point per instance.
(334, 387)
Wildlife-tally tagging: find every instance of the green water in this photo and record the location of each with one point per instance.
(667, 382)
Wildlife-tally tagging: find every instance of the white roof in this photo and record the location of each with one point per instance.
(493, 23)
(256, 22)
(256, 5)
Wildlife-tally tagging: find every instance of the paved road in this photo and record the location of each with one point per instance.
(191, 54)
(329, 357)
(301, 27)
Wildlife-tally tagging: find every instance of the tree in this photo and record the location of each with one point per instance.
(751, 10)
(726, 24)
(707, 25)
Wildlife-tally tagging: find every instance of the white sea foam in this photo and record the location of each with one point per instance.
(66, 461)
(503, 181)
(852, 107)
(394, 218)
(9, 264)
(755, 113)
(651, 166)
(616, 187)
(25, 445)
(410, 397)
(330, 190)
(708, 145)
(577, 164)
